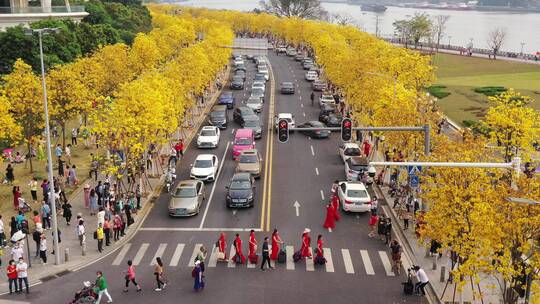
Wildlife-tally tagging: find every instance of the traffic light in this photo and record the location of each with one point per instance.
(346, 129)
(283, 130)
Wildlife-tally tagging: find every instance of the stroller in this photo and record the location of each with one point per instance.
(23, 205)
(86, 295)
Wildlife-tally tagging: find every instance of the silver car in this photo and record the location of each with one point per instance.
(255, 103)
(187, 198)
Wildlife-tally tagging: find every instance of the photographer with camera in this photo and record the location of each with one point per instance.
(422, 278)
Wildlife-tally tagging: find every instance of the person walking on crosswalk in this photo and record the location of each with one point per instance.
(222, 246)
(130, 277)
(335, 204)
(265, 254)
(252, 254)
(158, 272)
(239, 257)
(329, 222)
(306, 244)
(198, 277)
(201, 257)
(319, 253)
(101, 284)
(276, 240)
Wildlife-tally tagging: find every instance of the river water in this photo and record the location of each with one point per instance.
(461, 27)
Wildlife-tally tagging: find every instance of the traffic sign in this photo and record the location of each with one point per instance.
(414, 181)
(413, 170)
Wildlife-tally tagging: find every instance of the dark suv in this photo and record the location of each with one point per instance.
(240, 114)
(237, 83)
(241, 191)
(218, 116)
(287, 88)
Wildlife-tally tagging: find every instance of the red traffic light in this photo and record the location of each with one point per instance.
(282, 124)
(346, 129)
(283, 131)
(347, 123)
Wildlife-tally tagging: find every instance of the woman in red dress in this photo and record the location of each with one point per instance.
(329, 222)
(222, 245)
(276, 240)
(319, 247)
(16, 196)
(306, 244)
(252, 245)
(238, 248)
(335, 203)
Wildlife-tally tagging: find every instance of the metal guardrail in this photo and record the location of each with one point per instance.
(42, 10)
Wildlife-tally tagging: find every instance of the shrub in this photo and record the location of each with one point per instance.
(490, 91)
(438, 91)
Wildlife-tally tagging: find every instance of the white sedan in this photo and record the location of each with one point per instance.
(327, 99)
(353, 197)
(208, 137)
(259, 85)
(205, 168)
(311, 76)
(347, 150)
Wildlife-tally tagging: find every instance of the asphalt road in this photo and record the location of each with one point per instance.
(301, 170)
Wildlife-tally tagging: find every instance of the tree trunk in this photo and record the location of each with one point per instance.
(30, 155)
(63, 126)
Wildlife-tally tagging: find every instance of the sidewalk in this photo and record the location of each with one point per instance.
(38, 272)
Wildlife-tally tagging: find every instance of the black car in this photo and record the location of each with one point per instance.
(218, 116)
(240, 114)
(240, 67)
(333, 120)
(326, 109)
(241, 191)
(241, 73)
(254, 123)
(287, 88)
(307, 65)
(314, 133)
(237, 83)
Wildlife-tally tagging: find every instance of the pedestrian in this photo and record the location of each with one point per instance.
(127, 212)
(93, 200)
(58, 151)
(43, 248)
(329, 222)
(312, 97)
(81, 232)
(179, 148)
(66, 212)
(117, 226)
(74, 133)
(276, 241)
(33, 189)
(334, 186)
(335, 204)
(16, 196)
(72, 176)
(422, 278)
(198, 277)
(306, 244)
(13, 226)
(2, 233)
(20, 218)
(222, 247)
(158, 272)
(387, 230)
(107, 231)
(10, 177)
(373, 219)
(100, 216)
(239, 257)
(138, 196)
(381, 226)
(319, 252)
(101, 284)
(130, 276)
(36, 236)
(12, 276)
(252, 254)
(405, 216)
(366, 147)
(434, 248)
(374, 204)
(395, 249)
(17, 251)
(265, 254)
(67, 151)
(100, 235)
(94, 167)
(45, 188)
(86, 191)
(22, 274)
(46, 215)
(201, 256)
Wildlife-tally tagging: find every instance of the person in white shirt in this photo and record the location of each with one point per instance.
(101, 216)
(43, 249)
(17, 252)
(422, 278)
(22, 274)
(2, 234)
(81, 231)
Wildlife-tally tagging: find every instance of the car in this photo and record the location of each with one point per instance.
(356, 166)
(262, 65)
(259, 85)
(218, 116)
(187, 198)
(281, 49)
(287, 87)
(332, 120)
(255, 58)
(250, 162)
(261, 60)
(240, 113)
(265, 74)
(326, 110)
(348, 150)
(327, 99)
(258, 92)
(241, 73)
(307, 65)
(205, 167)
(311, 76)
(318, 85)
(227, 98)
(254, 123)
(237, 83)
(288, 117)
(241, 191)
(314, 133)
(240, 67)
(315, 68)
(250, 56)
(299, 57)
(255, 103)
(238, 61)
(208, 137)
(353, 197)
(291, 52)
(244, 139)
(260, 77)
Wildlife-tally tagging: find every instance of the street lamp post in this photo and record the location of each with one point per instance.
(522, 45)
(449, 37)
(41, 32)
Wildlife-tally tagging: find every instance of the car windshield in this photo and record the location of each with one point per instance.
(316, 124)
(227, 95)
(203, 163)
(237, 79)
(287, 85)
(358, 167)
(257, 91)
(242, 141)
(185, 192)
(357, 193)
(208, 133)
(251, 123)
(217, 114)
(248, 158)
(254, 100)
(240, 185)
(352, 151)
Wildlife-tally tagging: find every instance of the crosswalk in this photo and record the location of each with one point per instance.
(359, 261)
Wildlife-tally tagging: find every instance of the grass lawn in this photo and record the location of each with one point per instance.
(462, 74)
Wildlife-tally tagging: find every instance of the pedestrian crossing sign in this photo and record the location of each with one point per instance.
(413, 170)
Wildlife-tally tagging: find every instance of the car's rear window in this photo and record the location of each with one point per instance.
(185, 192)
(242, 141)
(248, 158)
(352, 151)
(208, 133)
(357, 193)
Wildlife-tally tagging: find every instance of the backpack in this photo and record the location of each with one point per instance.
(193, 273)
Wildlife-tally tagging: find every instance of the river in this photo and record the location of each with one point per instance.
(461, 27)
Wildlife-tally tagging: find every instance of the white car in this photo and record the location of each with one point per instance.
(287, 116)
(255, 103)
(347, 150)
(265, 73)
(311, 76)
(291, 52)
(355, 167)
(205, 168)
(353, 197)
(238, 62)
(327, 99)
(259, 85)
(208, 137)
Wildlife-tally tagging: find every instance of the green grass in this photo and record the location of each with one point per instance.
(462, 75)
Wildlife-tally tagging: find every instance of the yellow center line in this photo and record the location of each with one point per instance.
(270, 157)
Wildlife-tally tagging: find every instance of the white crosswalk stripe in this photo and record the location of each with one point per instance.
(118, 260)
(212, 262)
(349, 268)
(177, 254)
(327, 252)
(367, 262)
(140, 253)
(290, 261)
(196, 250)
(309, 262)
(386, 263)
(230, 262)
(159, 253)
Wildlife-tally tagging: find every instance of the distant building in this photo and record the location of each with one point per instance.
(15, 12)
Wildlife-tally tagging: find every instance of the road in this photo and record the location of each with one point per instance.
(302, 170)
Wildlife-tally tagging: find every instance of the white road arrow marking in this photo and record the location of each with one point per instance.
(296, 205)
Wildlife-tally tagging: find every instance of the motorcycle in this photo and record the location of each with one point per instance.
(170, 178)
(87, 295)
